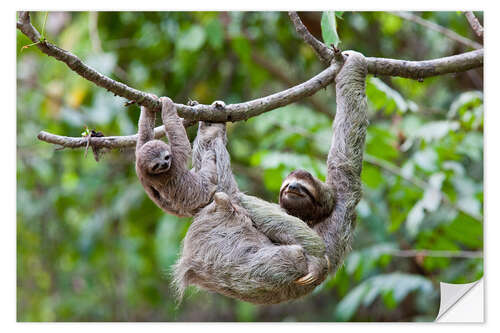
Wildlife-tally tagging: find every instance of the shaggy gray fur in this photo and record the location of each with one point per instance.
(227, 252)
(345, 158)
(257, 253)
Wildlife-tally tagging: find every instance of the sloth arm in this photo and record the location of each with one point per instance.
(146, 127)
(280, 227)
(345, 157)
(176, 133)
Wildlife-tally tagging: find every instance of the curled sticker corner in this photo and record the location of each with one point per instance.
(451, 294)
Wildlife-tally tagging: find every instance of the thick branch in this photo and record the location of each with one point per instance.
(427, 68)
(391, 67)
(246, 110)
(279, 73)
(442, 30)
(232, 112)
(378, 66)
(474, 23)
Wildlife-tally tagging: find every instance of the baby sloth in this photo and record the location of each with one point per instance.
(162, 168)
(306, 197)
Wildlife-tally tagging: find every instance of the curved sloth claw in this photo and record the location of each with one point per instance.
(307, 279)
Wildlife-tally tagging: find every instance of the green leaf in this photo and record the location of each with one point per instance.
(465, 100)
(429, 203)
(329, 28)
(393, 287)
(349, 304)
(436, 130)
(381, 96)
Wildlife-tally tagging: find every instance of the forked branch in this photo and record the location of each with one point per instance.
(240, 111)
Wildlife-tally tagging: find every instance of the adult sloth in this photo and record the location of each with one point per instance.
(243, 247)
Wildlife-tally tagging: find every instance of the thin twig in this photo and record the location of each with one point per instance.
(436, 27)
(391, 67)
(324, 53)
(475, 24)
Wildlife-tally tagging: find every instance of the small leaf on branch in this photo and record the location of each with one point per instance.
(329, 28)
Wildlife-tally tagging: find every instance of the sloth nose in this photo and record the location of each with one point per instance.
(293, 186)
(164, 165)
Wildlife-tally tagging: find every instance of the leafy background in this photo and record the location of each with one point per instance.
(92, 247)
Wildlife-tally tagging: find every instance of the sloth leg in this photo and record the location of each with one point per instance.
(208, 170)
(273, 266)
(212, 137)
(286, 229)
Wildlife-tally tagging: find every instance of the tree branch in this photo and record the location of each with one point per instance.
(232, 112)
(474, 23)
(392, 67)
(279, 73)
(324, 53)
(97, 142)
(427, 68)
(436, 27)
(245, 110)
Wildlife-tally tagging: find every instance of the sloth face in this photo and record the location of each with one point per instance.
(155, 157)
(305, 197)
(299, 194)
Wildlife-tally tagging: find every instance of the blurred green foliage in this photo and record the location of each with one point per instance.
(92, 247)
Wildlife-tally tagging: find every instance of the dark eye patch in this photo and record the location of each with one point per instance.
(156, 166)
(306, 191)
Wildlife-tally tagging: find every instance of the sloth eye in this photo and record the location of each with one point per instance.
(156, 166)
(167, 157)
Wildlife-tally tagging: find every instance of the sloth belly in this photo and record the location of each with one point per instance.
(236, 260)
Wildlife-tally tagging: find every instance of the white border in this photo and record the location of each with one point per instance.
(8, 137)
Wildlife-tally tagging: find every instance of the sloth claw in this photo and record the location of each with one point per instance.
(307, 279)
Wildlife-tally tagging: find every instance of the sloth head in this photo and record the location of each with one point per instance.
(306, 197)
(155, 157)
